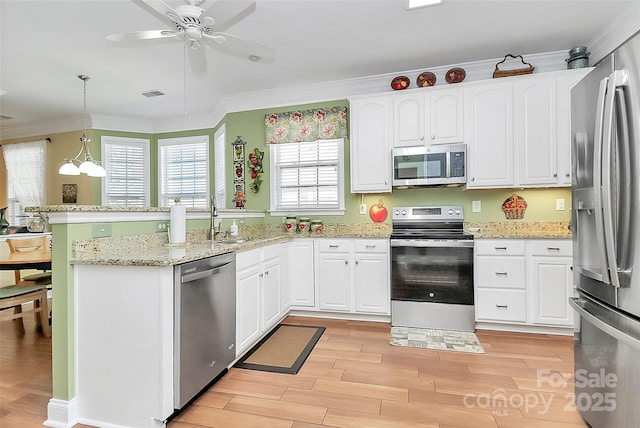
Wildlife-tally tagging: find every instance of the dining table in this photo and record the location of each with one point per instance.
(37, 259)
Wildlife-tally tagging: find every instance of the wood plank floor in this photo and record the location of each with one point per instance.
(352, 379)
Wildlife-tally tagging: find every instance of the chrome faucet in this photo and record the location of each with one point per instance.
(213, 231)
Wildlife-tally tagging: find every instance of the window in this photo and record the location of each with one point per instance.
(184, 171)
(126, 161)
(25, 163)
(219, 139)
(307, 177)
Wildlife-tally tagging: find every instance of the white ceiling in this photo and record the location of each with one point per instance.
(45, 44)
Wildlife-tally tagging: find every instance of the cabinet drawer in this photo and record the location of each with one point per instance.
(555, 247)
(501, 305)
(502, 272)
(503, 247)
(246, 259)
(271, 252)
(333, 245)
(372, 246)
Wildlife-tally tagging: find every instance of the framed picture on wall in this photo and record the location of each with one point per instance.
(69, 193)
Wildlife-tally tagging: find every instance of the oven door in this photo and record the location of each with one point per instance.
(437, 271)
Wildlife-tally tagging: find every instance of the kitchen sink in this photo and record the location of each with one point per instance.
(232, 241)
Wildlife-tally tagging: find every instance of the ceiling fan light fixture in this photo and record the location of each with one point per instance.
(88, 166)
(416, 4)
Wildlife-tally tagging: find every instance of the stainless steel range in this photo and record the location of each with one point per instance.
(431, 269)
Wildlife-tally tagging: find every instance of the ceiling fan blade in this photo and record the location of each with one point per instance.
(227, 13)
(241, 48)
(197, 58)
(159, 8)
(141, 35)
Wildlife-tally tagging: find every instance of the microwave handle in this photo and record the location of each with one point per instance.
(448, 164)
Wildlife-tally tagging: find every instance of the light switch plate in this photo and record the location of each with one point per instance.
(559, 204)
(476, 206)
(363, 209)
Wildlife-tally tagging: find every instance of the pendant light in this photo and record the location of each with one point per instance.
(87, 166)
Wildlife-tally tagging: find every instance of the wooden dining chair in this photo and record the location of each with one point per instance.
(30, 244)
(13, 297)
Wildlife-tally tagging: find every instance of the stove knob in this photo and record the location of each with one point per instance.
(397, 212)
(404, 212)
(458, 212)
(450, 212)
(431, 295)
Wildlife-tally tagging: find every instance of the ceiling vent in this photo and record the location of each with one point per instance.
(153, 93)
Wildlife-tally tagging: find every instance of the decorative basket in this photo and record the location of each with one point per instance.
(514, 207)
(517, 72)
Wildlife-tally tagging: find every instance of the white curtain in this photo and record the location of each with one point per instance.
(25, 164)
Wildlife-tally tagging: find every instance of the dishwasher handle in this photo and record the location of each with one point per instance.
(202, 274)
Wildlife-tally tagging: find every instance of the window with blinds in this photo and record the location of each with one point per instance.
(126, 161)
(307, 177)
(184, 173)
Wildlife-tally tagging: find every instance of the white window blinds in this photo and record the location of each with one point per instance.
(25, 163)
(184, 172)
(126, 161)
(307, 176)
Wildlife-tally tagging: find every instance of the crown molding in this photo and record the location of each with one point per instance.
(621, 28)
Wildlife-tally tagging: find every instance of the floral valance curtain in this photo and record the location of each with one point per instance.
(306, 125)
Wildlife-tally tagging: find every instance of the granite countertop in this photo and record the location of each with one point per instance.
(519, 230)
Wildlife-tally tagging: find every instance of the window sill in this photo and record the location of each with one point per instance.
(309, 213)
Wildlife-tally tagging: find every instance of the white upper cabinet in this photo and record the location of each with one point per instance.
(536, 132)
(371, 130)
(489, 122)
(430, 116)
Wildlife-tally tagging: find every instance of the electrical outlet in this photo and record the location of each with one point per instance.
(162, 226)
(559, 204)
(476, 206)
(363, 209)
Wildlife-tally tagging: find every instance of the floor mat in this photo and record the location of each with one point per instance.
(441, 340)
(284, 350)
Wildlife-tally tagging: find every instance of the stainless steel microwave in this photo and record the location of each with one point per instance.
(438, 165)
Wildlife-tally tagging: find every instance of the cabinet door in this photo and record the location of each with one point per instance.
(371, 282)
(370, 145)
(285, 277)
(334, 282)
(301, 273)
(489, 119)
(445, 114)
(270, 288)
(248, 323)
(536, 132)
(551, 288)
(408, 120)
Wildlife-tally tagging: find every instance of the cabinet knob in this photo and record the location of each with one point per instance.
(346, 262)
(357, 262)
(555, 175)
(261, 275)
(553, 248)
(500, 248)
(421, 137)
(501, 273)
(473, 179)
(567, 175)
(502, 306)
(433, 137)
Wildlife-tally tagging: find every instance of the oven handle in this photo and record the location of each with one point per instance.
(463, 243)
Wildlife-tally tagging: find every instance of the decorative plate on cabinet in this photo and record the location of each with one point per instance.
(455, 75)
(426, 79)
(400, 82)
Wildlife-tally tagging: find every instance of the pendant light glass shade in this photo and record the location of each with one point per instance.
(86, 165)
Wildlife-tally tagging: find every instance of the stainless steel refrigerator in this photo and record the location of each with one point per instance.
(605, 126)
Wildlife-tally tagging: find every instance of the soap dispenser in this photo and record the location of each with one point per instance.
(234, 229)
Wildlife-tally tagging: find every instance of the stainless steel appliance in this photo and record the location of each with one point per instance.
(204, 323)
(431, 269)
(437, 165)
(605, 125)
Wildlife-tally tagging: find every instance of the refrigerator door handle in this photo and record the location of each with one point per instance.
(616, 79)
(579, 306)
(597, 176)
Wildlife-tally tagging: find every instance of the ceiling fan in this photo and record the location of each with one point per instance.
(197, 26)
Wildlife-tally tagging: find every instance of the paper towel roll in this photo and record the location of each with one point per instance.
(178, 231)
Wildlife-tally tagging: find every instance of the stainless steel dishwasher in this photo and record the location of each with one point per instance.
(204, 323)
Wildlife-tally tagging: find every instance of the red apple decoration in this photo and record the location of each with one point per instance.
(378, 212)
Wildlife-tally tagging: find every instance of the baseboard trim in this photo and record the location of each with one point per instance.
(560, 331)
(61, 413)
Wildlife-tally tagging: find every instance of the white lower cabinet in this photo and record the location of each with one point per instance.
(353, 275)
(258, 294)
(524, 282)
(300, 273)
